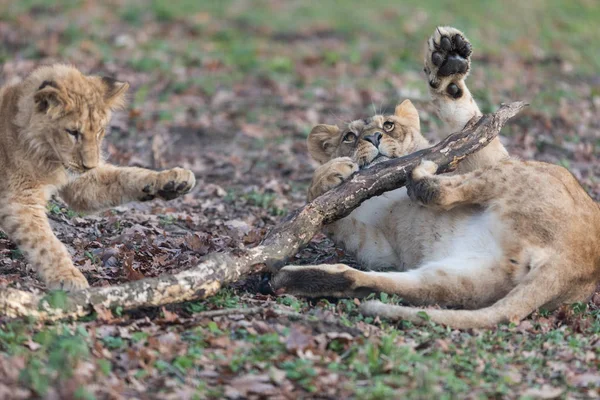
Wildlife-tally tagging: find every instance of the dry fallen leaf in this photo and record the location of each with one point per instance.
(546, 392)
(169, 316)
(243, 386)
(299, 339)
(104, 314)
(586, 380)
(132, 274)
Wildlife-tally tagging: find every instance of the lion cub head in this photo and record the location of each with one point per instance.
(364, 140)
(62, 115)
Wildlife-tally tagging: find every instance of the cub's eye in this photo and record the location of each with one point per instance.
(350, 137)
(73, 132)
(388, 126)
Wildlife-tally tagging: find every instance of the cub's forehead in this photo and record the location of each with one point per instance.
(358, 125)
(87, 112)
(83, 91)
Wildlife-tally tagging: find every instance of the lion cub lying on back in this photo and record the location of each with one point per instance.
(500, 238)
(51, 130)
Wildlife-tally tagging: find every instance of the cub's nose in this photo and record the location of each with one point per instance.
(374, 138)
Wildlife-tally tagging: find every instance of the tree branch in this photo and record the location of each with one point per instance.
(283, 242)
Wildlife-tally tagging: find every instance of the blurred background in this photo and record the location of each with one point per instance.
(213, 71)
(230, 89)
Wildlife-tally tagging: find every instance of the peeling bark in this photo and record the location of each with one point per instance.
(283, 242)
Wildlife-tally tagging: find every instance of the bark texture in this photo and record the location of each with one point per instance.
(283, 242)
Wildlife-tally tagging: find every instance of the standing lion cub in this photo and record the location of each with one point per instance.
(51, 129)
(497, 240)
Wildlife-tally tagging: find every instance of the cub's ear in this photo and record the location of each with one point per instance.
(321, 142)
(49, 100)
(114, 94)
(408, 114)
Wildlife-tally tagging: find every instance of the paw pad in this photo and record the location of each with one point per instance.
(174, 189)
(169, 185)
(437, 58)
(449, 53)
(454, 91)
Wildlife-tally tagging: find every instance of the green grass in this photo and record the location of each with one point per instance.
(429, 362)
(58, 352)
(568, 26)
(59, 210)
(380, 34)
(264, 200)
(243, 39)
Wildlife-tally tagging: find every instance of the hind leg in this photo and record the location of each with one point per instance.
(460, 282)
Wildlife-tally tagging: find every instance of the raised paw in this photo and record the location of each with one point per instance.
(331, 175)
(170, 184)
(67, 279)
(447, 60)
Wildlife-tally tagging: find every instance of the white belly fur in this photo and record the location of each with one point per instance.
(417, 236)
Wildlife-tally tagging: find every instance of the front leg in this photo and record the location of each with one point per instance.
(27, 225)
(444, 192)
(109, 186)
(331, 174)
(447, 282)
(447, 64)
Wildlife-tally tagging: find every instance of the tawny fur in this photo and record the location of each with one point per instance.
(51, 129)
(497, 239)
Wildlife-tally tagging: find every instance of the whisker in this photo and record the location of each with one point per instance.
(335, 116)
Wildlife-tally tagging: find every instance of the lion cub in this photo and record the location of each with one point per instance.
(51, 129)
(498, 239)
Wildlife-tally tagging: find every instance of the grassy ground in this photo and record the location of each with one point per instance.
(230, 90)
